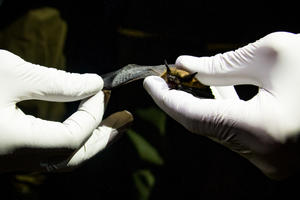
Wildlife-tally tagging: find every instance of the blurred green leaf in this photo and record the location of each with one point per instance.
(144, 181)
(38, 37)
(145, 150)
(154, 116)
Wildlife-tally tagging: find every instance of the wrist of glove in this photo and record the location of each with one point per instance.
(264, 129)
(31, 144)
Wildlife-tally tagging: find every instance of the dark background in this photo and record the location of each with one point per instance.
(194, 166)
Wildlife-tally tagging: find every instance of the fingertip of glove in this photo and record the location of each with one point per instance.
(184, 60)
(189, 63)
(94, 82)
(94, 106)
(154, 82)
(152, 78)
(180, 60)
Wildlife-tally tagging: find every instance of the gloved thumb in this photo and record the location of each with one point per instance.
(21, 80)
(247, 65)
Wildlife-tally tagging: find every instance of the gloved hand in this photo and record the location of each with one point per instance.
(265, 129)
(31, 144)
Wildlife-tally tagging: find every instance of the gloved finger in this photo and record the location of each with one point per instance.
(224, 92)
(56, 85)
(25, 81)
(71, 134)
(222, 69)
(102, 136)
(251, 64)
(196, 114)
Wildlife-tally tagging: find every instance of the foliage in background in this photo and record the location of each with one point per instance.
(38, 37)
(144, 178)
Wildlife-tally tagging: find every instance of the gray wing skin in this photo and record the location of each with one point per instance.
(130, 73)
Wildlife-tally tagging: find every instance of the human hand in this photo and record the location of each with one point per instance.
(264, 129)
(28, 143)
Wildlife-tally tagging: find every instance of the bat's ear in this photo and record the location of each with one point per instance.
(167, 66)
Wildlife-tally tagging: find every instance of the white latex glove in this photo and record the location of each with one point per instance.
(32, 144)
(265, 129)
